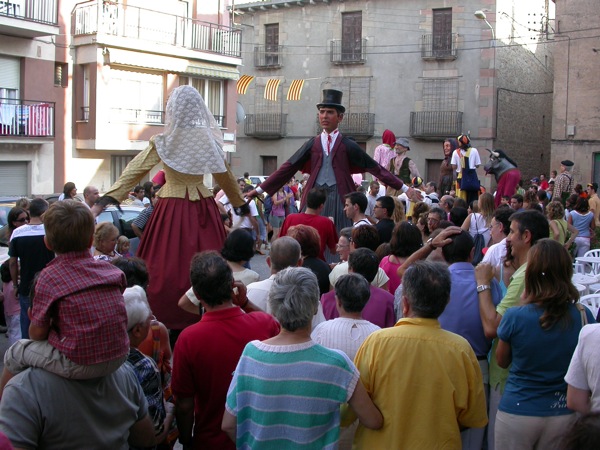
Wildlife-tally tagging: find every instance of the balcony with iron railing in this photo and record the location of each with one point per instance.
(343, 52)
(439, 46)
(29, 18)
(265, 125)
(115, 19)
(26, 118)
(435, 124)
(268, 56)
(360, 126)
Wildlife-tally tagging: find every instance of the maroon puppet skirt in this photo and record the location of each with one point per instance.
(178, 229)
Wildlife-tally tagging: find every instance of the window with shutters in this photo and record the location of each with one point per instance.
(10, 74)
(269, 55)
(272, 44)
(440, 115)
(440, 94)
(117, 166)
(442, 32)
(351, 36)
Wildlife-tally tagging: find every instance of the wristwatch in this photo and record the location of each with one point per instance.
(483, 287)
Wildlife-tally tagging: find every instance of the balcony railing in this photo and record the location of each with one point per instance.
(360, 126)
(343, 52)
(40, 11)
(138, 23)
(442, 46)
(26, 118)
(124, 115)
(220, 120)
(268, 56)
(265, 125)
(435, 124)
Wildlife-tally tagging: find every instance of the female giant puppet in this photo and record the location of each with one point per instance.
(186, 219)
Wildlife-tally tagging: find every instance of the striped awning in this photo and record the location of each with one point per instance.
(172, 65)
(212, 70)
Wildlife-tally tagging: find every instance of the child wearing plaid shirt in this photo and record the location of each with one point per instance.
(78, 319)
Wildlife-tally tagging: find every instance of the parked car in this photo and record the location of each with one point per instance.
(121, 219)
(256, 179)
(51, 198)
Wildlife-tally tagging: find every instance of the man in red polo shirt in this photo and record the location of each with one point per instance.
(315, 202)
(207, 353)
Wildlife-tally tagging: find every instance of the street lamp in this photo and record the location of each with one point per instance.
(481, 16)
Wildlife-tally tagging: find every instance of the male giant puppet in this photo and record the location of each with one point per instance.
(506, 173)
(330, 159)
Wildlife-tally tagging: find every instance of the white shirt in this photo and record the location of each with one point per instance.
(495, 254)
(408, 202)
(343, 334)
(584, 370)
(474, 159)
(239, 222)
(342, 269)
(324, 143)
(361, 223)
(371, 201)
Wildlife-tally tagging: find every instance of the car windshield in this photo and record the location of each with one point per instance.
(4, 210)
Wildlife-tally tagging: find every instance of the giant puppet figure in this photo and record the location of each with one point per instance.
(506, 173)
(330, 158)
(186, 219)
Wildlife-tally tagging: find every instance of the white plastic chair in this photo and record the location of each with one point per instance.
(594, 267)
(592, 302)
(593, 253)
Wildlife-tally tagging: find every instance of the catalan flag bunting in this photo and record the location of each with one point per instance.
(243, 83)
(295, 90)
(271, 89)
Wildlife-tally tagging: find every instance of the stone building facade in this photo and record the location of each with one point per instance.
(427, 70)
(576, 109)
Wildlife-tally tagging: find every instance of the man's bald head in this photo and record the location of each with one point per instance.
(285, 252)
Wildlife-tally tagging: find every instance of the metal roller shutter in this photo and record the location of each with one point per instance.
(13, 178)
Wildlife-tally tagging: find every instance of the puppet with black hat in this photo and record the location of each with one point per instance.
(330, 158)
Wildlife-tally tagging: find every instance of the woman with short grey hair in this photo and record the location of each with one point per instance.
(294, 308)
(289, 388)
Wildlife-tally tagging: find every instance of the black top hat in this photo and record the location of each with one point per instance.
(332, 99)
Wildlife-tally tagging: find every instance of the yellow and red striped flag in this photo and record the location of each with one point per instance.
(271, 89)
(295, 90)
(243, 83)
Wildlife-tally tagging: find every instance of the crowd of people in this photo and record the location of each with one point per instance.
(414, 315)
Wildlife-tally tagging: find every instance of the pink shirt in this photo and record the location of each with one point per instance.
(11, 303)
(391, 270)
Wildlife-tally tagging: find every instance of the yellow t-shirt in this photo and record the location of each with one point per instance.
(425, 381)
